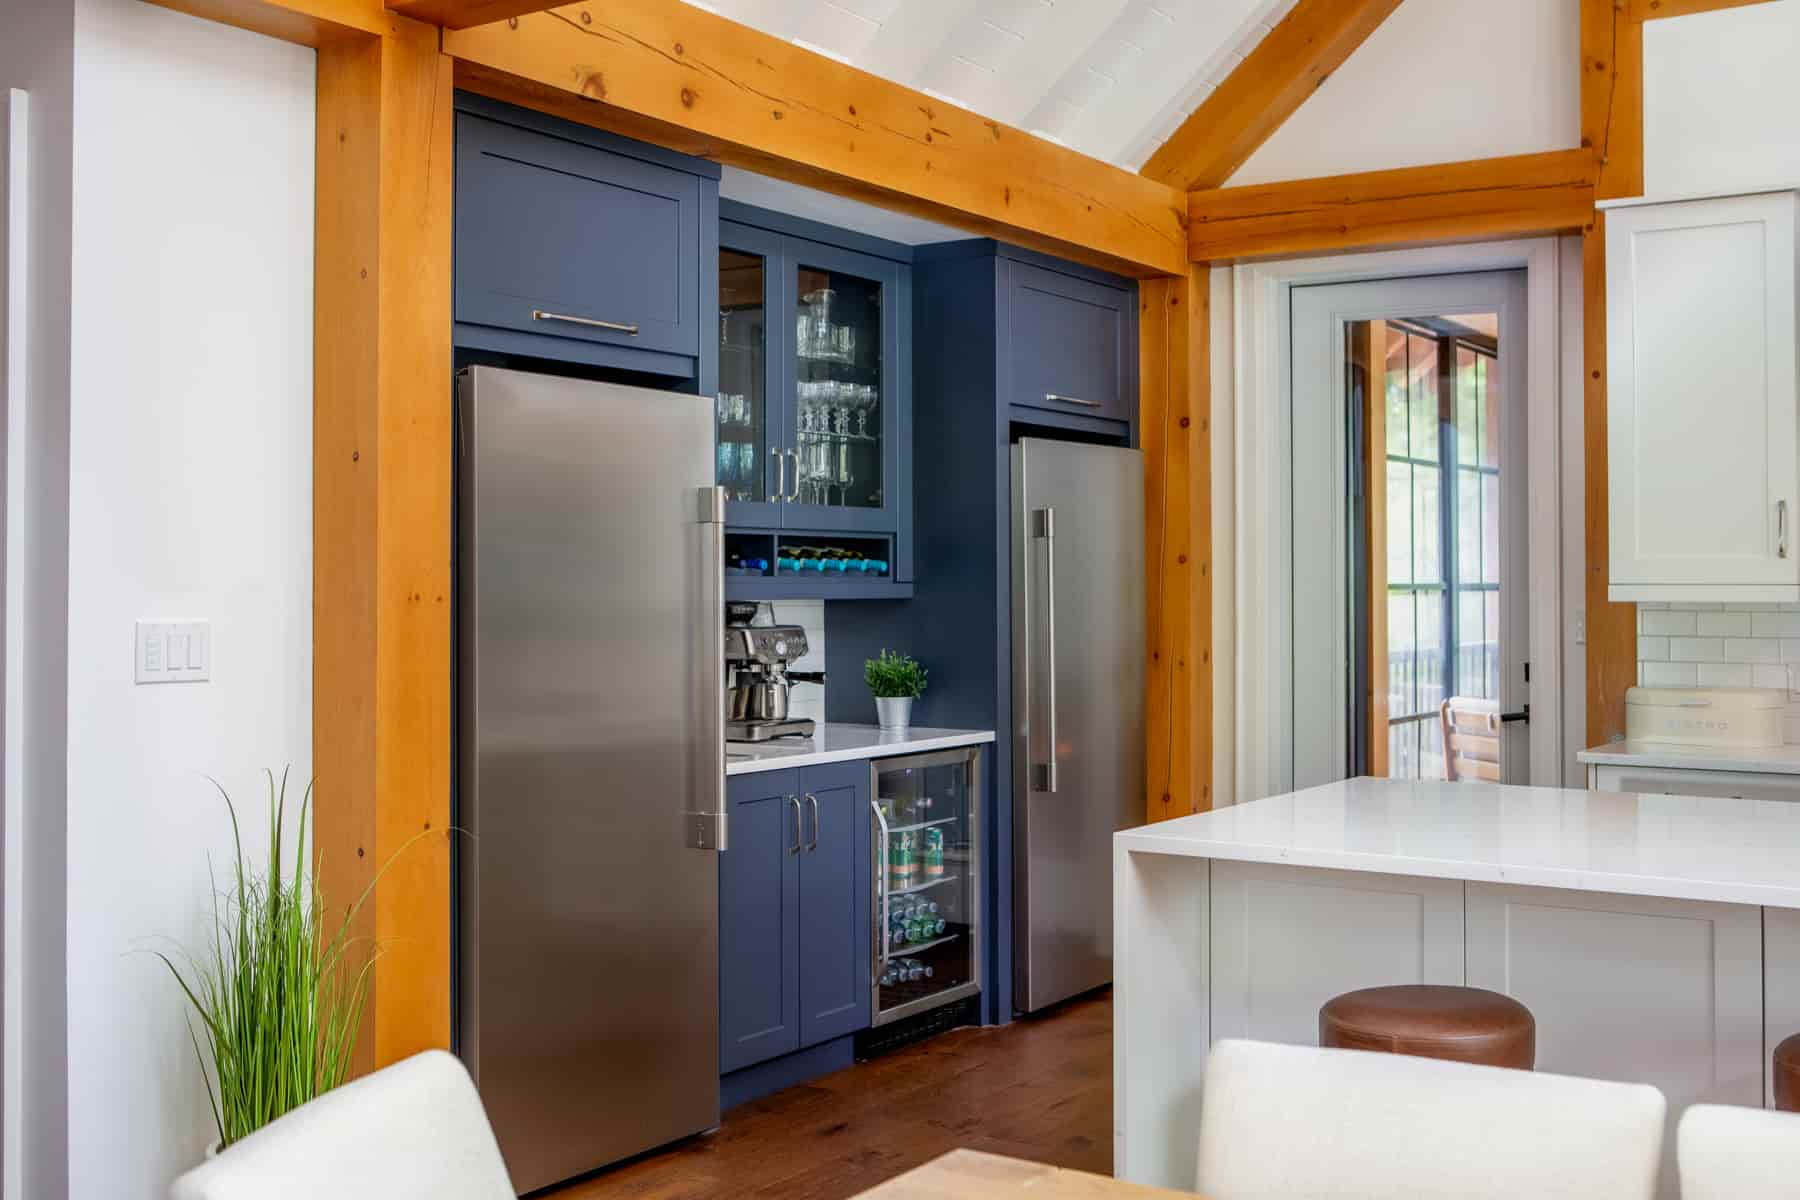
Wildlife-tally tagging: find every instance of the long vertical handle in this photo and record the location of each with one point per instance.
(881, 877)
(1043, 522)
(799, 835)
(814, 843)
(780, 473)
(1781, 532)
(707, 818)
(793, 492)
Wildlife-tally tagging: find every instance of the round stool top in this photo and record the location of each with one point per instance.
(1787, 1074)
(1434, 1021)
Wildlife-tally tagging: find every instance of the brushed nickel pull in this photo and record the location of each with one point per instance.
(538, 314)
(814, 801)
(794, 493)
(780, 474)
(1073, 400)
(1043, 521)
(1781, 541)
(799, 838)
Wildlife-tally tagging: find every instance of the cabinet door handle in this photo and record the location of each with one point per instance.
(1781, 541)
(794, 494)
(814, 801)
(1073, 400)
(799, 838)
(780, 473)
(538, 314)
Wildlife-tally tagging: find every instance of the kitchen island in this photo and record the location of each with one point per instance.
(1655, 938)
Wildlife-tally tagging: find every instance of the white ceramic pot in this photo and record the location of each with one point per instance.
(893, 712)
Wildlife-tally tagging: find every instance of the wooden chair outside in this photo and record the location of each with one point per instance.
(1471, 738)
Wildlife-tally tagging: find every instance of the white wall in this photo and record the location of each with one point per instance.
(1439, 81)
(37, 54)
(190, 495)
(1721, 97)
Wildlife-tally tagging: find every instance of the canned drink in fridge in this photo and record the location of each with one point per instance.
(934, 854)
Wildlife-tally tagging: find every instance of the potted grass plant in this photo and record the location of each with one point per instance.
(895, 680)
(278, 994)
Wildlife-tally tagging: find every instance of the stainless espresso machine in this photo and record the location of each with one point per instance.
(757, 654)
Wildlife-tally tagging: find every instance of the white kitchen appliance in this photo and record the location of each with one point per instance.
(1705, 716)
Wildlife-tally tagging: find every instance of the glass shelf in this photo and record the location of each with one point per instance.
(908, 949)
(919, 887)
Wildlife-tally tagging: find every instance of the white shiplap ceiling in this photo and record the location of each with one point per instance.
(1111, 78)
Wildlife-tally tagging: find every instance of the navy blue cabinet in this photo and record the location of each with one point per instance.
(759, 920)
(1070, 345)
(794, 912)
(574, 244)
(815, 397)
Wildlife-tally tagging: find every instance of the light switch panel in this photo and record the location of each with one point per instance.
(174, 651)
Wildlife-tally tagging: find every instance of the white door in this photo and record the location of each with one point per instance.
(1409, 527)
(1700, 409)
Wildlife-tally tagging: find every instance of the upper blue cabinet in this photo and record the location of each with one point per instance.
(572, 244)
(1072, 344)
(815, 405)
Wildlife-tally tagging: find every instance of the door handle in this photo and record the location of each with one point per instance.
(538, 314)
(814, 801)
(1044, 529)
(1781, 536)
(794, 493)
(708, 819)
(799, 838)
(1061, 399)
(1524, 714)
(780, 473)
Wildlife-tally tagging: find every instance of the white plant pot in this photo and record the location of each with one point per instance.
(893, 712)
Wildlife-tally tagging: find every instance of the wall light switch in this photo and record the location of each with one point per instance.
(174, 651)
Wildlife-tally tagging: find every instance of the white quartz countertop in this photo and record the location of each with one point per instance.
(1771, 760)
(833, 742)
(1683, 847)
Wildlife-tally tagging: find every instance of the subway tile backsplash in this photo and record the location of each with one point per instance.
(1721, 645)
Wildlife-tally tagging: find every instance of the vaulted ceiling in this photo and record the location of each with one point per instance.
(1111, 78)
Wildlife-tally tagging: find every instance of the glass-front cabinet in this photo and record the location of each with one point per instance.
(926, 877)
(812, 374)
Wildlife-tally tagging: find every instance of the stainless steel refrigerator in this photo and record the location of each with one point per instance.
(591, 766)
(1078, 705)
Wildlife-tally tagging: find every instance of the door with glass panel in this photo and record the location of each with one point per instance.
(1410, 598)
(842, 375)
(752, 420)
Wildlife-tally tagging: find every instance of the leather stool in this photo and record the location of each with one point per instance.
(1462, 1024)
(1787, 1075)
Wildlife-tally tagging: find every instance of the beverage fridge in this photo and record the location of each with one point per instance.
(927, 881)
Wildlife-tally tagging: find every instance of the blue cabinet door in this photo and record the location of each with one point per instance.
(1071, 344)
(759, 921)
(835, 934)
(562, 238)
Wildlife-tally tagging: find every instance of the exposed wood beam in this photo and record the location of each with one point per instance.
(308, 22)
(1612, 96)
(1522, 195)
(381, 517)
(1650, 10)
(1611, 628)
(1174, 379)
(460, 14)
(1272, 82)
(687, 79)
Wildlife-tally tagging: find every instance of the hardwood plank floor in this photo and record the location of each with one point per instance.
(1038, 1089)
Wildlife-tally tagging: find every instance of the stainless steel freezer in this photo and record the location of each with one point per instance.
(1078, 705)
(591, 766)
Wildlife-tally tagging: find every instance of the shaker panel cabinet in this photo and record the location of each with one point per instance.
(562, 239)
(759, 920)
(835, 902)
(794, 912)
(1704, 465)
(1068, 344)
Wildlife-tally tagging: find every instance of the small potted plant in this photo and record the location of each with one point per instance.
(896, 680)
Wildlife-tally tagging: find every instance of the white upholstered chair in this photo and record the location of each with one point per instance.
(416, 1128)
(1279, 1122)
(1738, 1153)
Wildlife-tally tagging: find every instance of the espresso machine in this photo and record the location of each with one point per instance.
(757, 654)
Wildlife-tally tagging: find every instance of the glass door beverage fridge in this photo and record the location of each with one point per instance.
(927, 867)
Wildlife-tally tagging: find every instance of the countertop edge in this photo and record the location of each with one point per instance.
(815, 758)
(1138, 841)
(1694, 758)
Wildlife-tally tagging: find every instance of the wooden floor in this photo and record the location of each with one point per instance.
(1039, 1089)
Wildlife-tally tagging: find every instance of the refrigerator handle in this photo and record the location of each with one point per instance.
(1043, 528)
(881, 877)
(707, 819)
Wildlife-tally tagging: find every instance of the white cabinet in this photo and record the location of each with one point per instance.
(1683, 781)
(1702, 454)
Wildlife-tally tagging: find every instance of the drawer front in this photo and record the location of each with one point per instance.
(555, 237)
(1069, 344)
(1673, 781)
